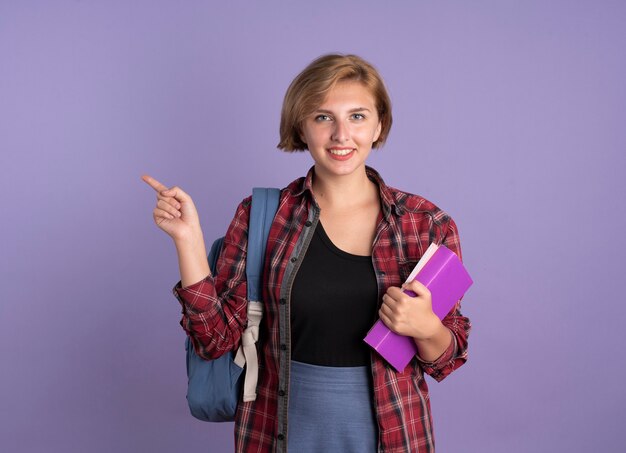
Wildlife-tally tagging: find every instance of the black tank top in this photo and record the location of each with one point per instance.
(334, 303)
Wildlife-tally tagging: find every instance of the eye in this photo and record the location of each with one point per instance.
(322, 117)
(358, 116)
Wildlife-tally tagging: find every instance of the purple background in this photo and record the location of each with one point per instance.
(509, 115)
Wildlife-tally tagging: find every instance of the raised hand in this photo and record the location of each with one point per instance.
(176, 214)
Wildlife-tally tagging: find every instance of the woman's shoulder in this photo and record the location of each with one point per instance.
(411, 204)
(403, 201)
(296, 186)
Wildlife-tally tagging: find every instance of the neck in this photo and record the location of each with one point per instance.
(345, 191)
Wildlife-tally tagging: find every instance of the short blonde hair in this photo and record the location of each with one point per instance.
(309, 89)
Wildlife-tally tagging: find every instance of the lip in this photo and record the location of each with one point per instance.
(341, 157)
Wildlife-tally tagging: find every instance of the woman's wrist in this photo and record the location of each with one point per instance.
(433, 344)
(189, 239)
(430, 327)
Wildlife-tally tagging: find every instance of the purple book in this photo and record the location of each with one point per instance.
(442, 272)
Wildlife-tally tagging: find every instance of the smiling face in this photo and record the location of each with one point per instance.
(340, 133)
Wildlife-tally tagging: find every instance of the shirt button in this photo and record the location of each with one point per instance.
(294, 259)
(283, 301)
(281, 393)
(283, 347)
(281, 437)
(308, 223)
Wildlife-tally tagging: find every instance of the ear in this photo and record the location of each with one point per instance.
(302, 137)
(379, 129)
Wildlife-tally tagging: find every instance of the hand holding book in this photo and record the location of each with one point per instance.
(408, 310)
(442, 272)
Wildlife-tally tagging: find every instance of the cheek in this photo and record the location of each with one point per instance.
(306, 136)
(368, 134)
(316, 135)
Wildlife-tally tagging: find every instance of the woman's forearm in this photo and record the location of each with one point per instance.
(192, 260)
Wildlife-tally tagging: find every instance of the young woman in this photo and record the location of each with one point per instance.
(341, 245)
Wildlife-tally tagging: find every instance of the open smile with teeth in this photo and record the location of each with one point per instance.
(341, 152)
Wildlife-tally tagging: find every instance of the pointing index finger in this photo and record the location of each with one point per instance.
(156, 185)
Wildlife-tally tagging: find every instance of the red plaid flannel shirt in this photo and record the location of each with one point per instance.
(214, 315)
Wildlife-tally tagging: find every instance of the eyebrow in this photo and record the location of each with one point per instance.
(357, 109)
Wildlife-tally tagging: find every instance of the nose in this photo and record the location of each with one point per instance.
(341, 132)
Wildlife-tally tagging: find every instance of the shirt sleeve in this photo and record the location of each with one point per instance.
(214, 310)
(456, 354)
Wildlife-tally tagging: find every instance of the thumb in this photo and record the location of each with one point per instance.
(415, 289)
(177, 193)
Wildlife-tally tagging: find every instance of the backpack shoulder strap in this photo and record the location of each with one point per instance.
(262, 212)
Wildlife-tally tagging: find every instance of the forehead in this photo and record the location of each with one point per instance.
(349, 94)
